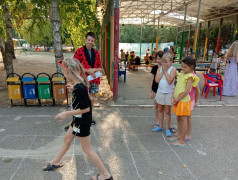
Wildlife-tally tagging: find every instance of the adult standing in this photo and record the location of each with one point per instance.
(90, 59)
(230, 83)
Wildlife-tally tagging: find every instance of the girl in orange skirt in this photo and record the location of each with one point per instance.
(181, 99)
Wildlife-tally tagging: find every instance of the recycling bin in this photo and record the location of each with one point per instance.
(14, 86)
(44, 86)
(59, 87)
(29, 87)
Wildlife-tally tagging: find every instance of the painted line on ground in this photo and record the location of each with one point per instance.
(209, 105)
(132, 158)
(179, 158)
(23, 158)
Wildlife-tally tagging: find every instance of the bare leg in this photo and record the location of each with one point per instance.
(190, 124)
(160, 115)
(183, 121)
(156, 112)
(68, 138)
(87, 148)
(168, 116)
(92, 100)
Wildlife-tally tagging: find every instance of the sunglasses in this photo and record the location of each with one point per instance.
(60, 62)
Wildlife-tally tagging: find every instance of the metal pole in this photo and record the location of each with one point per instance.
(140, 38)
(205, 47)
(196, 31)
(152, 49)
(116, 49)
(218, 38)
(235, 27)
(157, 37)
(188, 39)
(184, 27)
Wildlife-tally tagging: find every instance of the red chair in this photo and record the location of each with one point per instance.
(218, 75)
(211, 82)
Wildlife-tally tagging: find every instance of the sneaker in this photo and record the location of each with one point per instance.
(158, 129)
(168, 133)
(93, 122)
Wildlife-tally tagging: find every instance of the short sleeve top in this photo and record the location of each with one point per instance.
(154, 84)
(195, 83)
(80, 100)
(182, 80)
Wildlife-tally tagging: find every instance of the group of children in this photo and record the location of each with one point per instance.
(182, 97)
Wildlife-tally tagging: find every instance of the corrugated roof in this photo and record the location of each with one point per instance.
(171, 12)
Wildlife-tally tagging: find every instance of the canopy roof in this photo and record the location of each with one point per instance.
(171, 12)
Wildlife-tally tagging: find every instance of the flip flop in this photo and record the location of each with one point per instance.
(188, 139)
(50, 167)
(172, 130)
(173, 140)
(98, 175)
(156, 125)
(177, 145)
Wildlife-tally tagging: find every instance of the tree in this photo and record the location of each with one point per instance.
(6, 44)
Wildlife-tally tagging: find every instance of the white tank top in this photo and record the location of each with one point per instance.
(164, 86)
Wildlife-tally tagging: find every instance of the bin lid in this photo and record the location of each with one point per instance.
(58, 79)
(29, 79)
(12, 79)
(42, 79)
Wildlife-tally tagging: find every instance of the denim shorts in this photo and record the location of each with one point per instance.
(94, 88)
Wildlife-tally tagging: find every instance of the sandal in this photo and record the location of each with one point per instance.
(98, 175)
(177, 144)
(156, 125)
(50, 167)
(172, 130)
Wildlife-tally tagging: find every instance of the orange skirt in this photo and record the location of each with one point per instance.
(182, 108)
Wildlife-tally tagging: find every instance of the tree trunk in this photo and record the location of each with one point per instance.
(56, 28)
(8, 56)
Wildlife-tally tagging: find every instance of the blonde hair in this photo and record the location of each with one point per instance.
(76, 69)
(233, 51)
(167, 57)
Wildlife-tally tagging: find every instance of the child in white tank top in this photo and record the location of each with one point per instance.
(165, 78)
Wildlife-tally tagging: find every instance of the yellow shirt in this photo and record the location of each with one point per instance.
(180, 87)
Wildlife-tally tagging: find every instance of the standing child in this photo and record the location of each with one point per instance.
(222, 65)
(194, 94)
(165, 78)
(154, 86)
(181, 99)
(82, 117)
(214, 65)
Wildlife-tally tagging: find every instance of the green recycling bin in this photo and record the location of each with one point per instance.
(44, 86)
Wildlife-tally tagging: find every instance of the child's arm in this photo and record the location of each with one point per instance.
(170, 78)
(186, 92)
(158, 75)
(63, 115)
(152, 79)
(197, 93)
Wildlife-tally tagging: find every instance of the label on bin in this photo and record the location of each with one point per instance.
(44, 91)
(59, 91)
(29, 91)
(14, 92)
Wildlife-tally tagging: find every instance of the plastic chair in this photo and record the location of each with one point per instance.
(211, 82)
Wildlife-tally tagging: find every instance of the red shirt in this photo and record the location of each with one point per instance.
(83, 56)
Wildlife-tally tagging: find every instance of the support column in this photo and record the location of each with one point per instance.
(157, 37)
(152, 48)
(116, 49)
(196, 31)
(176, 43)
(205, 47)
(188, 39)
(112, 45)
(140, 38)
(235, 27)
(219, 34)
(184, 27)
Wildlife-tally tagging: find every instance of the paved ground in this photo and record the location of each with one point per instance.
(29, 137)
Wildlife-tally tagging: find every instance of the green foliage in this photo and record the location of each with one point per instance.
(132, 34)
(35, 35)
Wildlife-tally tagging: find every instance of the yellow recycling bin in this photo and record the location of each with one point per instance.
(14, 86)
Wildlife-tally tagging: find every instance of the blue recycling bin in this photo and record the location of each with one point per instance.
(29, 87)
